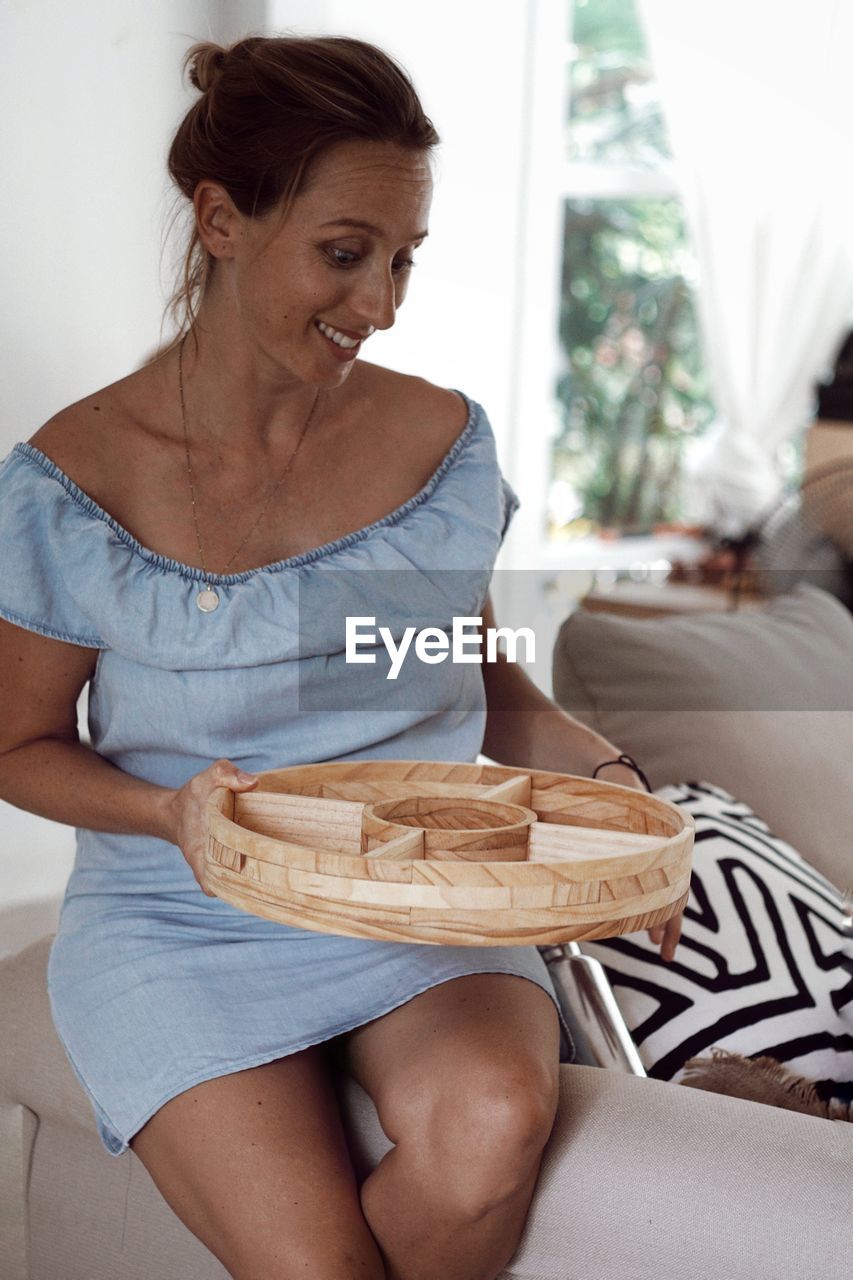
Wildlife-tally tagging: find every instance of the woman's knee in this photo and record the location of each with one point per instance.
(478, 1138)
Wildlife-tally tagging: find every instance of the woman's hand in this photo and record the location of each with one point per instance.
(189, 810)
(668, 934)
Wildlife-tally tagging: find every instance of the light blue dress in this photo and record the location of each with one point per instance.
(154, 986)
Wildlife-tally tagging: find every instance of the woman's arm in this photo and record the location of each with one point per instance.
(45, 769)
(525, 728)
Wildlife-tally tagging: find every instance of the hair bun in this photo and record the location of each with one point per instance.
(206, 62)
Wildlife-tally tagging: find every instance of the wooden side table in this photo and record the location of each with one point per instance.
(655, 600)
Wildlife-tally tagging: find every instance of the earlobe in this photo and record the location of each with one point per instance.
(216, 218)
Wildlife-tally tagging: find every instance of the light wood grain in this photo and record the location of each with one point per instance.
(452, 853)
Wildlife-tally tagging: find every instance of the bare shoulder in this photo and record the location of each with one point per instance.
(70, 437)
(406, 398)
(87, 439)
(435, 404)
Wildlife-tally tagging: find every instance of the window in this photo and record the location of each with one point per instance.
(632, 389)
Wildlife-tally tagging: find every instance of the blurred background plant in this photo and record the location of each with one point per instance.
(633, 391)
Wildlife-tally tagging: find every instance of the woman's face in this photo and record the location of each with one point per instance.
(308, 292)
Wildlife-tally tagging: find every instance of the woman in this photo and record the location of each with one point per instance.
(184, 540)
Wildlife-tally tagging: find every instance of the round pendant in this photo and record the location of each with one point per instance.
(207, 600)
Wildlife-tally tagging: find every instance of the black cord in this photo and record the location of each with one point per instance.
(630, 763)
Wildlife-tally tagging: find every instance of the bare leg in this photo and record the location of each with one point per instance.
(427, 1239)
(256, 1165)
(465, 1080)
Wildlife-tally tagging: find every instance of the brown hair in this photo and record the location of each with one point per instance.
(270, 107)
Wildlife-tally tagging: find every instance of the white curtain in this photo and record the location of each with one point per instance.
(757, 96)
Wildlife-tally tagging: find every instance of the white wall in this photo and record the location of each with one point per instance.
(89, 96)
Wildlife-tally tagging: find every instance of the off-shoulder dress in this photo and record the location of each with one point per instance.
(154, 986)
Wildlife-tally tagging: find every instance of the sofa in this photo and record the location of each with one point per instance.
(641, 1177)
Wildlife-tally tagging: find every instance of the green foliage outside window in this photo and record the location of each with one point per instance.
(633, 390)
(614, 114)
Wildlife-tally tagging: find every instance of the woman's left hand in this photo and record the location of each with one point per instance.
(668, 934)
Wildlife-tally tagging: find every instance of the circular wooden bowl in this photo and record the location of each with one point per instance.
(462, 854)
(473, 830)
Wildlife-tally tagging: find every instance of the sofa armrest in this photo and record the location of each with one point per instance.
(17, 1135)
(639, 1177)
(646, 1179)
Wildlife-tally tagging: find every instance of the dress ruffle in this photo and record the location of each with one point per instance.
(79, 576)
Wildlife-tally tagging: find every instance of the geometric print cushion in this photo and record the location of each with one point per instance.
(764, 967)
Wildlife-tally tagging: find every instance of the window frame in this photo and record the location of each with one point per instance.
(550, 180)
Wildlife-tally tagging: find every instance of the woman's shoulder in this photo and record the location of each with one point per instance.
(410, 420)
(71, 438)
(404, 397)
(84, 438)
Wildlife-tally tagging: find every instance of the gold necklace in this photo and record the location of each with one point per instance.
(208, 598)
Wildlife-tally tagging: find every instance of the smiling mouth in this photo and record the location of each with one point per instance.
(345, 340)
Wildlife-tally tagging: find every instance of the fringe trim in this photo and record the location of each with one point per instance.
(761, 1080)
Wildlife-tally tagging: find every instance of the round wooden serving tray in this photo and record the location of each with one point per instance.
(464, 854)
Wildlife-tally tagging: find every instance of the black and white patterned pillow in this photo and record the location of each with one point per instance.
(763, 968)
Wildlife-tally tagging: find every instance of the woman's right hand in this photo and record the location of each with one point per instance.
(189, 810)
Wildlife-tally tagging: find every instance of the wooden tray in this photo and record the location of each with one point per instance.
(463, 854)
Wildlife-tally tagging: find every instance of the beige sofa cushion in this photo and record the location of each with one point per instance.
(759, 703)
(640, 1178)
